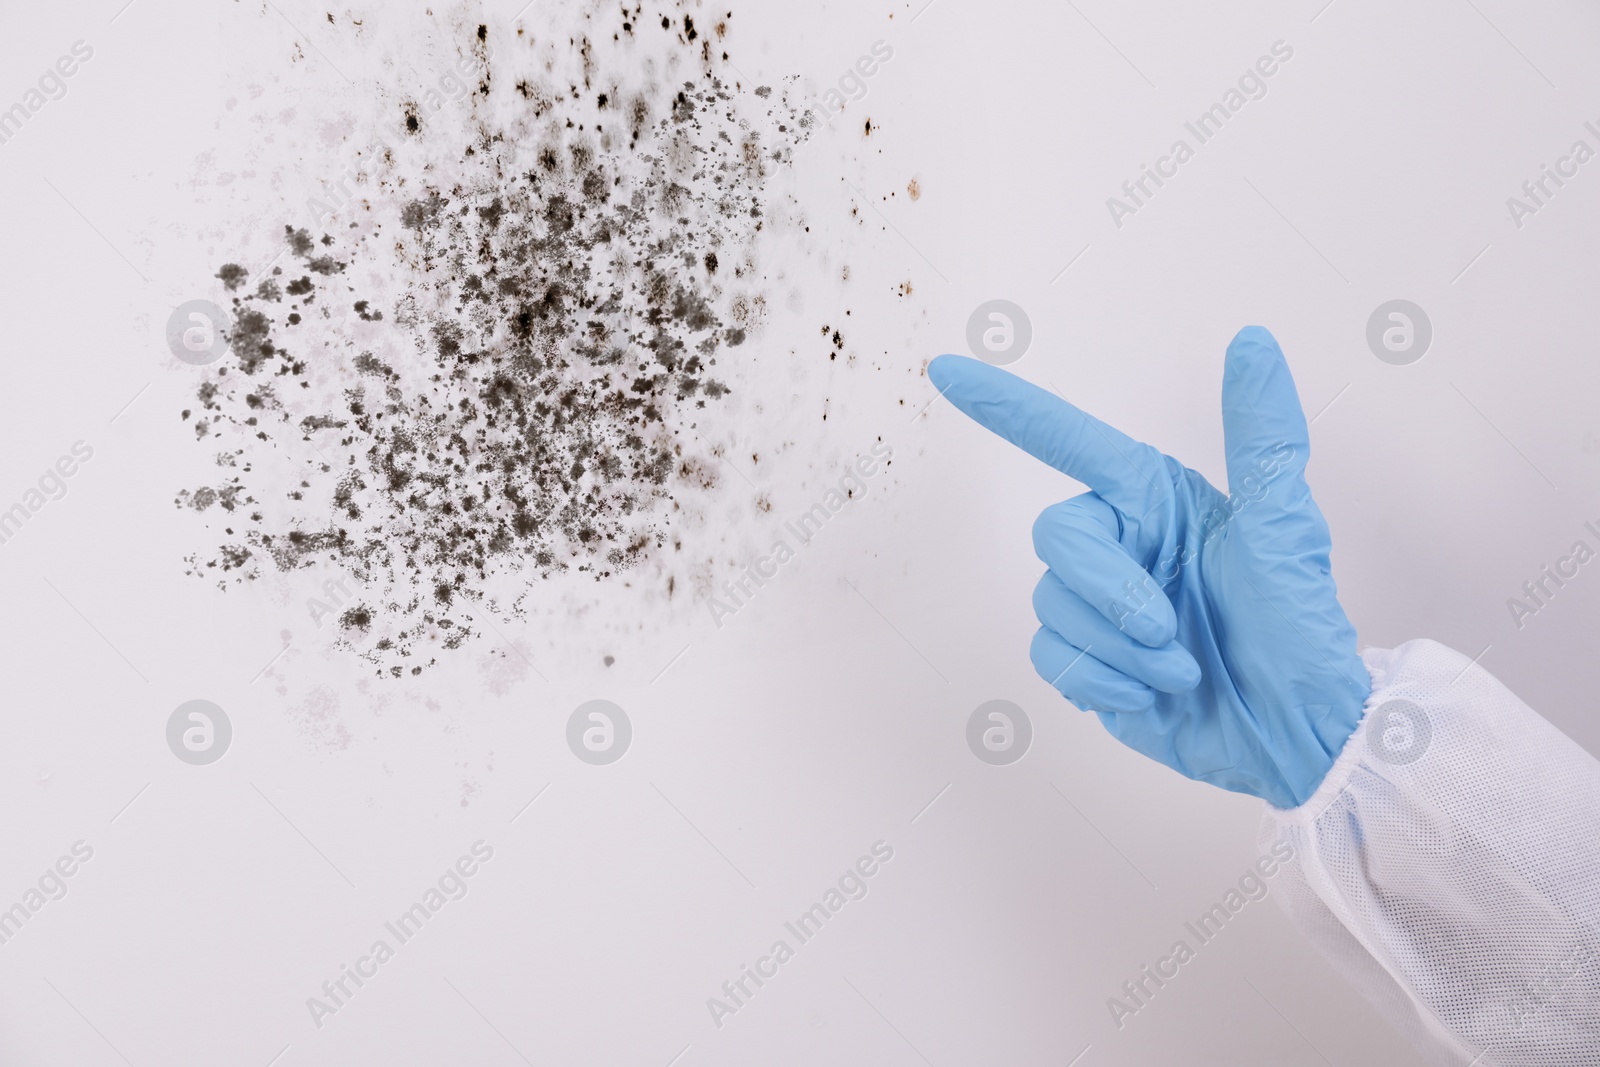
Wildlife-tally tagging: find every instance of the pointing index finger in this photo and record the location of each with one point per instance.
(1123, 471)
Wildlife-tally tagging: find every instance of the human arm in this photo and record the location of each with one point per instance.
(1459, 889)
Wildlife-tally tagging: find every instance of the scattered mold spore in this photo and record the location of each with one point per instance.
(498, 376)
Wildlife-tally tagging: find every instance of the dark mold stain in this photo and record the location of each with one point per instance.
(561, 341)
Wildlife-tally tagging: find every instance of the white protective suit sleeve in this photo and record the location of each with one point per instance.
(1449, 866)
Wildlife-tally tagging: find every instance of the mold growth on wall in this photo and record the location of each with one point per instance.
(487, 363)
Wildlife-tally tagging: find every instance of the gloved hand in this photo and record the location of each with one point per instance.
(1203, 629)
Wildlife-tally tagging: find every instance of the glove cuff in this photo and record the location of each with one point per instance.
(1379, 663)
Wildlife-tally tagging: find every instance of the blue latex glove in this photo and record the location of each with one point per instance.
(1203, 629)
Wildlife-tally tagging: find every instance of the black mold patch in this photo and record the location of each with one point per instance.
(495, 377)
